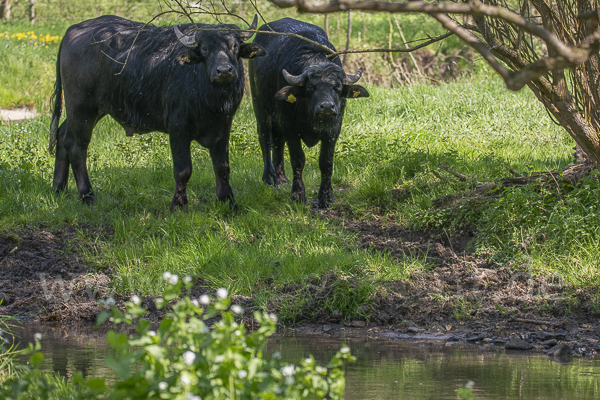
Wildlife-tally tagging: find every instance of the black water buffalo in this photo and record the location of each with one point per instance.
(186, 82)
(299, 95)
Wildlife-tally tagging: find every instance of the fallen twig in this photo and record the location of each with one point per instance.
(514, 171)
(460, 176)
(535, 321)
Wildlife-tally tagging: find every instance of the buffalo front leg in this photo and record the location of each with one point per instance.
(61, 161)
(182, 171)
(298, 160)
(326, 167)
(219, 154)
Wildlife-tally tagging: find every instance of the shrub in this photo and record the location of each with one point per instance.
(185, 358)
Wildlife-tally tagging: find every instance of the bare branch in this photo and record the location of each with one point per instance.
(473, 7)
(404, 50)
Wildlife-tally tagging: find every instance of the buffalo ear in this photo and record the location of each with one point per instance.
(354, 91)
(289, 93)
(188, 57)
(251, 50)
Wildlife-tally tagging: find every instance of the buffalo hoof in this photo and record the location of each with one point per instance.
(321, 205)
(271, 180)
(179, 203)
(299, 197)
(283, 179)
(89, 199)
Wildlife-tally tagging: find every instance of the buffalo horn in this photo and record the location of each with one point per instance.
(245, 35)
(353, 78)
(294, 80)
(187, 40)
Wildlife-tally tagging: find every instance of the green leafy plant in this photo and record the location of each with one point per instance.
(186, 358)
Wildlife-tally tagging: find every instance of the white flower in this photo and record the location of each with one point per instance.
(238, 332)
(37, 337)
(166, 275)
(159, 301)
(189, 357)
(308, 360)
(187, 279)
(204, 299)
(273, 317)
(173, 279)
(195, 303)
(185, 379)
(242, 374)
(288, 370)
(109, 302)
(320, 370)
(191, 396)
(163, 385)
(222, 293)
(152, 333)
(289, 380)
(345, 350)
(277, 355)
(220, 358)
(237, 309)
(135, 299)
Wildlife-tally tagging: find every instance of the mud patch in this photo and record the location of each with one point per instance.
(42, 277)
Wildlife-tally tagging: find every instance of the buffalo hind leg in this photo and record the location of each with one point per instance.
(278, 150)
(326, 167)
(298, 160)
(264, 138)
(219, 154)
(182, 171)
(77, 140)
(61, 161)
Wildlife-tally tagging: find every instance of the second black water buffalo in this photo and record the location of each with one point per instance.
(299, 95)
(187, 82)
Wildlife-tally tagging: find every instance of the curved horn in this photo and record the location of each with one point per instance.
(294, 80)
(245, 35)
(187, 40)
(353, 78)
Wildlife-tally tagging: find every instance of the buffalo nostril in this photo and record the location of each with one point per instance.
(327, 107)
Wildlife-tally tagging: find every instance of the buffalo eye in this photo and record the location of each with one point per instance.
(204, 50)
(309, 87)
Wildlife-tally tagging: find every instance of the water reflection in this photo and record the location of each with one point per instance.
(384, 370)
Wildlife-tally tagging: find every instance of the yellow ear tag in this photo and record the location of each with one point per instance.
(185, 59)
(355, 94)
(291, 99)
(253, 54)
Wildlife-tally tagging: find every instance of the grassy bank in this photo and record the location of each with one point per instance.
(391, 143)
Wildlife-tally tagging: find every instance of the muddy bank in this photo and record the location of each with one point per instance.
(44, 277)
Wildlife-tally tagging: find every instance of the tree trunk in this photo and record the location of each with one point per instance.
(348, 35)
(32, 11)
(5, 9)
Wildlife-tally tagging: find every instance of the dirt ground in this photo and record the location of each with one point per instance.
(460, 298)
(18, 114)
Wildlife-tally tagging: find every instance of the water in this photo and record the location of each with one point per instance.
(386, 369)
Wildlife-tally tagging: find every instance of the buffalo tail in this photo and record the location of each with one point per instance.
(56, 106)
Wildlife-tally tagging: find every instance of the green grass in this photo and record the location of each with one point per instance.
(391, 141)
